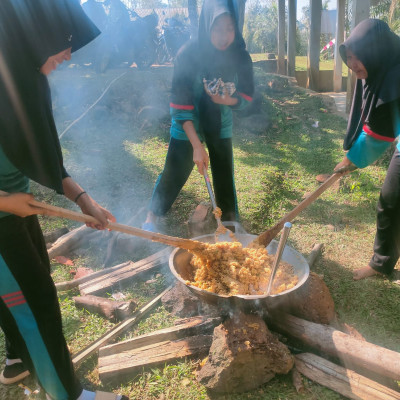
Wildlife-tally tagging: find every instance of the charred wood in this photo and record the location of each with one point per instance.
(110, 309)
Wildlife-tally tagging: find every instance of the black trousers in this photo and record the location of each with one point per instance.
(387, 238)
(29, 310)
(178, 166)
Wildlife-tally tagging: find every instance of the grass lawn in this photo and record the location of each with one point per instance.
(116, 153)
(301, 63)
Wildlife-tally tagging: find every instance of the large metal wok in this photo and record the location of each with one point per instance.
(179, 264)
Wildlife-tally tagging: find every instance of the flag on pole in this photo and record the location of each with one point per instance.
(327, 46)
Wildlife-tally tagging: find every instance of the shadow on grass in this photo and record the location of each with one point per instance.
(370, 305)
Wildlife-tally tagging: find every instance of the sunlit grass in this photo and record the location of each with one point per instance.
(301, 63)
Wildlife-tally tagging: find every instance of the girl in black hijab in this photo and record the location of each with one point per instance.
(35, 36)
(213, 75)
(373, 52)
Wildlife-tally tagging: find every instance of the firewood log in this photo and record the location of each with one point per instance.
(67, 243)
(110, 309)
(297, 380)
(352, 352)
(118, 330)
(67, 285)
(344, 381)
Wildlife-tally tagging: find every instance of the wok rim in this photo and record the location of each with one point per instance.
(246, 297)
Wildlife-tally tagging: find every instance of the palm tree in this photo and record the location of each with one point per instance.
(388, 11)
(394, 16)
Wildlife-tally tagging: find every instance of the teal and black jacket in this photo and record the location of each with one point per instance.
(189, 100)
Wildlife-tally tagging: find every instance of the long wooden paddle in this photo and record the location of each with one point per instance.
(264, 239)
(47, 209)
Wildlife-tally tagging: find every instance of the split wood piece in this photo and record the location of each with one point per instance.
(47, 209)
(315, 253)
(352, 352)
(297, 380)
(265, 238)
(117, 330)
(190, 327)
(69, 242)
(108, 308)
(103, 283)
(130, 363)
(344, 381)
(67, 285)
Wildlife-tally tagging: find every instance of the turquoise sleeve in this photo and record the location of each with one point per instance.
(366, 150)
(241, 104)
(181, 115)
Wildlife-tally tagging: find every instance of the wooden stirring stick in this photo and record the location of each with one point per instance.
(54, 211)
(264, 239)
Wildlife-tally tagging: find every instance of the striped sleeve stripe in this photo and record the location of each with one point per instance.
(181, 107)
(23, 301)
(376, 136)
(13, 299)
(4, 296)
(248, 98)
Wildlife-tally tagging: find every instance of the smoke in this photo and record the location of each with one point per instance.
(100, 123)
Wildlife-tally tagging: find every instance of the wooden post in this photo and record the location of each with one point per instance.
(193, 17)
(281, 37)
(314, 45)
(291, 45)
(337, 72)
(360, 12)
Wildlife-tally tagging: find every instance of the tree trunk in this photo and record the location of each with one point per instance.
(241, 11)
(281, 37)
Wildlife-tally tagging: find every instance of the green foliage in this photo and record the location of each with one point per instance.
(388, 11)
(260, 27)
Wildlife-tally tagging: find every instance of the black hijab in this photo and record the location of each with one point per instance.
(30, 32)
(378, 48)
(216, 64)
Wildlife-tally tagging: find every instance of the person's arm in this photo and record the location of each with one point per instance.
(18, 204)
(88, 206)
(366, 150)
(245, 86)
(200, 156)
